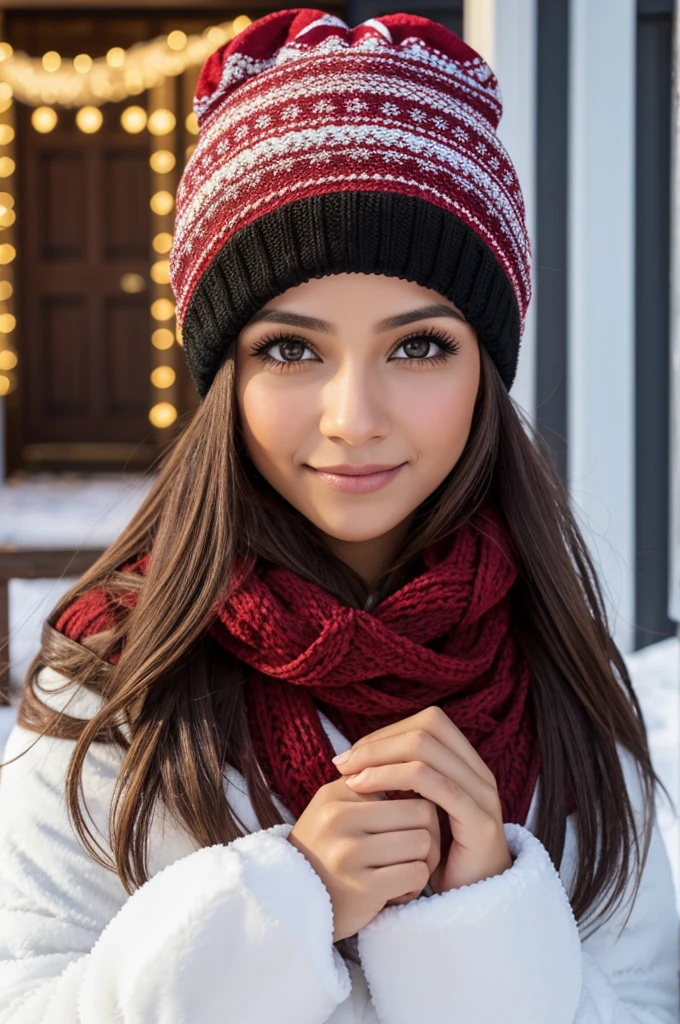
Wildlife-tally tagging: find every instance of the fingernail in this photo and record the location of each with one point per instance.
(341, 758)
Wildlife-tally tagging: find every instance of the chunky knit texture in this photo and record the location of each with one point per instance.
(324, 150)
(443, 638)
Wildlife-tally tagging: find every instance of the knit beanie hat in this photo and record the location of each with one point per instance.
(325, 149)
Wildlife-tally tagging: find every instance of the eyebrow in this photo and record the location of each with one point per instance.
(388, 324)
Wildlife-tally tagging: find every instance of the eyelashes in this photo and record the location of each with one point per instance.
(448, 347)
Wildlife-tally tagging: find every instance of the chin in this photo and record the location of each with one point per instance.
(353, 532)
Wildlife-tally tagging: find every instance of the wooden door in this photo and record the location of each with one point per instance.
(85, 223)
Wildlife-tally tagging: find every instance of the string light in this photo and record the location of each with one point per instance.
(177, 40)
(44, 119)
(132, 283)
(160, 272)
(161, 122)
(163, 414)
(133, 119)
(161, 202)
(162, 338)
(115, 57)
(163, 377)
(86, 83)
(162, 242)
(51, 60)
(121, 73)
(162, 161)
(161, 309)
(89, 119)
(82, 63)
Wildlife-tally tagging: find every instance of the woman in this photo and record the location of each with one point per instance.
(356, 545)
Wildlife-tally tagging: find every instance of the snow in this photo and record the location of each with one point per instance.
(79, 510)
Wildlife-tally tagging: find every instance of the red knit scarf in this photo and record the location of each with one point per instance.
(443, 638)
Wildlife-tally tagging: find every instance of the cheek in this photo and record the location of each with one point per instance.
(439, 418)
(271, 418)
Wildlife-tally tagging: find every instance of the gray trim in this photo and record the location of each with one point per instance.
(550, 243)
(653, 212)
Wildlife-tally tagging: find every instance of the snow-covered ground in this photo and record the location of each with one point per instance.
(89, 511)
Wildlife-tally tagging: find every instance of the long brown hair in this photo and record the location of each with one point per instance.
(183, 696)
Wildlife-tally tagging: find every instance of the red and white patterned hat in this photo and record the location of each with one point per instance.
(328, 149)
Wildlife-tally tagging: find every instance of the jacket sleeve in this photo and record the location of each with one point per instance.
(194, 943)
(508, 948)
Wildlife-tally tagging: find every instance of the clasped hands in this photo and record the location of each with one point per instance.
(428, 755)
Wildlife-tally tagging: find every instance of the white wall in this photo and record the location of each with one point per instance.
(504, 33)
(601, 215)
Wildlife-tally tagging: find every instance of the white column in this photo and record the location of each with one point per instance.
(601, 352)
(504, 32)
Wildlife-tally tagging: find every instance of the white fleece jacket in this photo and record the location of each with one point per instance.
(243, 933)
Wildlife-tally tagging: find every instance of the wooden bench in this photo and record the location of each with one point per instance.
(34, 564)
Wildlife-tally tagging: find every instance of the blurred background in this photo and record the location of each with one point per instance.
(96, 124)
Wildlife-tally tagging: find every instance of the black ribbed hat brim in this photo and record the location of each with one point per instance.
(343, 232)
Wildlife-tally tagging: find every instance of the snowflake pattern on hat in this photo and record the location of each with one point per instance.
(300, 104)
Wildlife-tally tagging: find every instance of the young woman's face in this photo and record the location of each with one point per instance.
(344, 387)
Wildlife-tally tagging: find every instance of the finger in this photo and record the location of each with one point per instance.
(438, 723)
(421, 745)
(377, 851)
(464, 811)
(396, 815)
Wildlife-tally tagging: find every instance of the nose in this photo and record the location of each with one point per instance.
(355, 405)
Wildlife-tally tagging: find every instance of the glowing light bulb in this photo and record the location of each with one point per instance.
(162, 242)
(160, 272)
(163, 377)
(162, 161)
(44, 119)
(162, 338)
(163, 414)
(161, 309)
(89, 119)
(177, 40)
(133, 119)
(161, 122)
(162, 202)
(82, 63)
(51, 60)
(115, 57)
